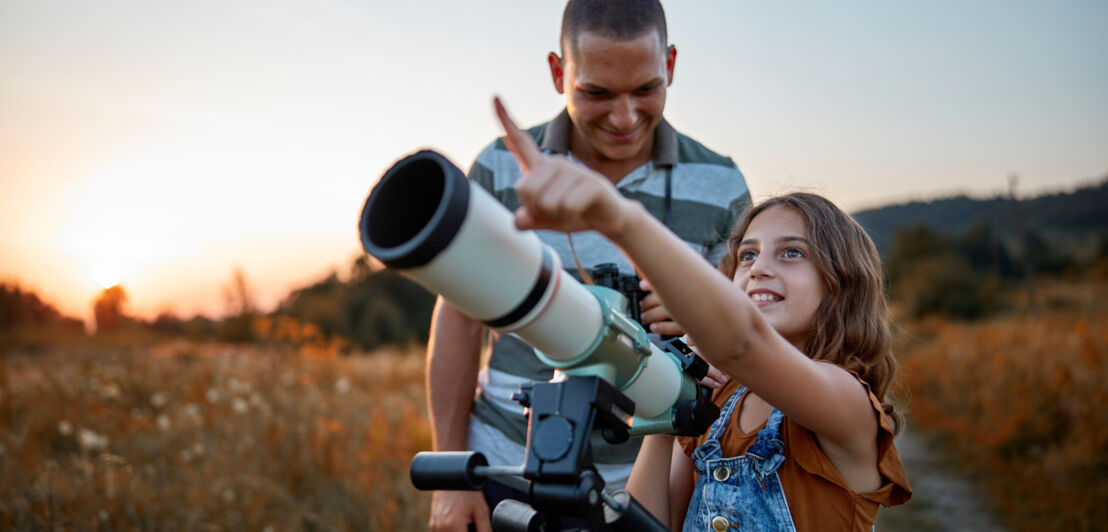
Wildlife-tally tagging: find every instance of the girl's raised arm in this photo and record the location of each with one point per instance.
(730, 331)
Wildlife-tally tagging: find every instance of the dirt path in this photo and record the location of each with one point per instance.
(942, 498)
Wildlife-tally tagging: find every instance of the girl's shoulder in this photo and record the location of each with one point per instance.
(886, 423)
(808, 454)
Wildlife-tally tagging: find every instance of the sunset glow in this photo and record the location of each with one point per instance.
(134, 152)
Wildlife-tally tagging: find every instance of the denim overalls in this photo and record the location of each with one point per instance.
(742, 492)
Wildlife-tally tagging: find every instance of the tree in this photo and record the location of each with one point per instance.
(21, 308)
(241, 309)
(108, 309)
(984, 250)
(912, 245)
(238, 296)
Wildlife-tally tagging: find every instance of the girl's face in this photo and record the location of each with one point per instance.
(777, 271)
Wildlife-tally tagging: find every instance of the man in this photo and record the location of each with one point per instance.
(614, 70)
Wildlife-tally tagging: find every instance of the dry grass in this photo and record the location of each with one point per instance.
(210, 438)
(1021, 402)
(216, 437)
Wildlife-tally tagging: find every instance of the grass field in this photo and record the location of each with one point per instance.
(178, 436)
(211, 438)
(1019, 402)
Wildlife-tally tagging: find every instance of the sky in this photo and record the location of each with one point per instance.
(164, 144)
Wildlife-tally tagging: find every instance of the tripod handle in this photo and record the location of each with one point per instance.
(455, 470)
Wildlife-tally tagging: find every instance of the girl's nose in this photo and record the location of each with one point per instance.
(761, 267)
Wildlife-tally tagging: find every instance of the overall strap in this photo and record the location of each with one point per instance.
(769, 447)
(725, 414)
(710, 449)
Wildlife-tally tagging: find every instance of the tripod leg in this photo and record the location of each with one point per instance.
(624, 514)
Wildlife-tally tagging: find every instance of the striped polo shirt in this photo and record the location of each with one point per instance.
(708, 193)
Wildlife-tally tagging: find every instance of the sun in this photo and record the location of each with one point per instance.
(104, 274)
(116, 230)
(105, 258)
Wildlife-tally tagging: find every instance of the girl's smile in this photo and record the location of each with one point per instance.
(762, 297)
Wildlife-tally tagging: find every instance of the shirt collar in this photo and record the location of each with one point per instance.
(556, 139)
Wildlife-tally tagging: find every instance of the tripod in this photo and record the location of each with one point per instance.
(558, 463)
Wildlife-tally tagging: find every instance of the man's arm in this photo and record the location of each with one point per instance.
(453, 361)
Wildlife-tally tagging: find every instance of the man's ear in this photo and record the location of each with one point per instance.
(671, 61)
(556, 73)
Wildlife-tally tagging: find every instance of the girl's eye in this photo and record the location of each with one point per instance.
(747, 256)
(793, 253)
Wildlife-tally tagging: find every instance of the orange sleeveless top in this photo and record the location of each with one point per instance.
(818, 497)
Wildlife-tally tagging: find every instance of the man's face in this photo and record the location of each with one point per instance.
(615, 94)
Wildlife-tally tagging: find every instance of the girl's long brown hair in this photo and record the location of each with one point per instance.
(852, 327)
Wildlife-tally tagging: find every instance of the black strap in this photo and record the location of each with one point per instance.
(667, 216)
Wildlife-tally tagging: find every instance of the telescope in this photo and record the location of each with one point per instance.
(425, 220)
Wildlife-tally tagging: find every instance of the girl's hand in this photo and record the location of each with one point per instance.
(557, 194)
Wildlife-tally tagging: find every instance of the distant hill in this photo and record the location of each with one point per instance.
(1069, 220)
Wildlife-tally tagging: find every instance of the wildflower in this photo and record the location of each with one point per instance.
(110, 391)
(103, 514)
(258, 403)
(162, 421)
(342, 386)
(287, 378)
(158, 400)
(198, 449)
(228, 495)
(65, 428)
(192, 410)
(212, 395)
(186, 455)
(91, 441)
(239, 406)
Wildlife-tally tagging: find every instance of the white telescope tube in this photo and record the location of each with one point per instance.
(426, 220)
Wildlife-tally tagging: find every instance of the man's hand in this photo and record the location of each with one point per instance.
(657, 318)
(453, 511)
(654, 315)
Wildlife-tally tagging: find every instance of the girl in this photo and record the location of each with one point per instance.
(805, 441)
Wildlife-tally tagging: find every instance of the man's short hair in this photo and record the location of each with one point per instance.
(619, 20)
